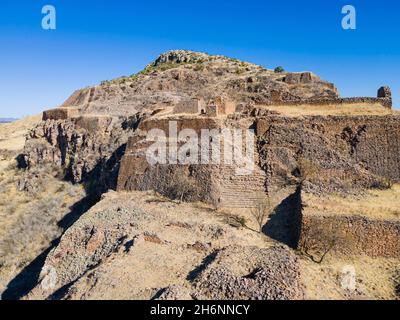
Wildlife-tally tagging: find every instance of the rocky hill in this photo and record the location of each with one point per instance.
(178, 75)
(326, 174)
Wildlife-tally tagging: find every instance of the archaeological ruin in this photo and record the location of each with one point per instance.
(305, 136)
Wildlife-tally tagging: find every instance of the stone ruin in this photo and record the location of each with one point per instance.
(358, 148)
(385, 93)
(100, 133)
(223, 106)
(219, 106)
(298, 77)
(62, 113)
(219, 184)
(216, 107)
(384, 98)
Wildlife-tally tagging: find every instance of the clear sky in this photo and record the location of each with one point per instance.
(99, 40)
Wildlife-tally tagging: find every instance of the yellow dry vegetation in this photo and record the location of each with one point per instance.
(375, 278)
(29, 220)
(12, 135)
(378, 204)
(334, 110)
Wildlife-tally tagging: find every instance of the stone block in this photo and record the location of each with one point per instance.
(60, 114)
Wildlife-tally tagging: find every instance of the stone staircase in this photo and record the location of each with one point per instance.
(240, 191)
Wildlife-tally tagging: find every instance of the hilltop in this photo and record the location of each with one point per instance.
(178, 75)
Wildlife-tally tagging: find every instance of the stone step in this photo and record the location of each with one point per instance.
(241, 191)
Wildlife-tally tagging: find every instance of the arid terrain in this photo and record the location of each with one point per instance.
(83, 215)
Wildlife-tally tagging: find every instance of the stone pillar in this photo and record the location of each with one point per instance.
(385, 93)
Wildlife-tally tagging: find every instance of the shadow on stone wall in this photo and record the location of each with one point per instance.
(104, 175)
(285, 222)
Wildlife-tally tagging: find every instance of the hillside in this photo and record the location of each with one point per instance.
(32, 203)
(101, 222)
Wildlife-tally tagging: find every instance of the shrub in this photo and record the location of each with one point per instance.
(161, 67)
(242, 221)
(320, 238)
(279, 69)
(182, 188)
(383, 183)
(105, 83)
(199, 67)
(176, 185)
(306, 169)
(262, 209)
(236, 221)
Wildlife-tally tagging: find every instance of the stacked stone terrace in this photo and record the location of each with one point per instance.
(240, 191)
(219, 183)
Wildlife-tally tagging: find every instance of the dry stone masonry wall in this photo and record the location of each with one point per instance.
(343, 152)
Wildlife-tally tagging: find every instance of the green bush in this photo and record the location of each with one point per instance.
(279, 69)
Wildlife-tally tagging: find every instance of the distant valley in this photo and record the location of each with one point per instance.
(7, 120)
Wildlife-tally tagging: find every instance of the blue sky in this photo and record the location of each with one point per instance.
(99, 40)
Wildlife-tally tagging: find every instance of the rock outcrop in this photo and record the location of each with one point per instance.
(88, 148)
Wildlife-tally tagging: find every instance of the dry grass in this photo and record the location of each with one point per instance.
(29, 220)
(375, 278)
(337, 110)
(307, 170)
(12, 135)
(378, 204)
